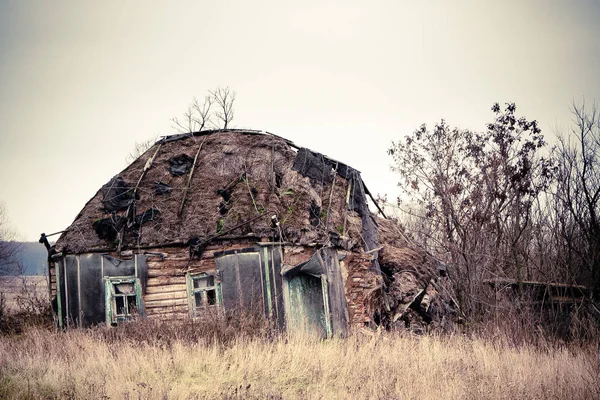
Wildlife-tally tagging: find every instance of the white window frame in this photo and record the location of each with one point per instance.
(195, 309)
(113, 317)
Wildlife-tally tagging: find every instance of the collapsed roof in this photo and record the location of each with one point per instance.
(191, 188)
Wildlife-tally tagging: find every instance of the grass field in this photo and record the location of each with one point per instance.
(100, 364)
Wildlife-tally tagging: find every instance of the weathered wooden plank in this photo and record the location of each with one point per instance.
(182, 294)
(183, 254)
(179, 270)
(153, 273)
(168, 310)
(173, 308)
(166, 289)
(165, 303)
(182, 264)
(205, 268)
(168, 265)
(178, 257)
(172, 316)
(158, 252)
(165, 280)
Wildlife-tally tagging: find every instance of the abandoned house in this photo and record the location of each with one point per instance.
(240, 220)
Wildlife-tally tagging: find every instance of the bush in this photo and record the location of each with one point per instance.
(32, 310)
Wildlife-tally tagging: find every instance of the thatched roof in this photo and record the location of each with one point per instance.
(227, 183)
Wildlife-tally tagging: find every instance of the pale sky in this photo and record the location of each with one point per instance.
(82, 81)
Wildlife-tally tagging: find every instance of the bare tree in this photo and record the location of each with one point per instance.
(224, 99)
(187, 124)
(197, 117)
(139, 149)
(578, 193)
(477, 192)
(9, 247)
(201, 115)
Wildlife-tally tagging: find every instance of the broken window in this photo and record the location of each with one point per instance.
(203, 291)
(123, 299)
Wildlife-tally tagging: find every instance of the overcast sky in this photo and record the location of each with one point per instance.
(82, 81)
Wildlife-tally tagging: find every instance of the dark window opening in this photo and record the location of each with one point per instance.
(120, 305)
(211, 297)
(203, 292)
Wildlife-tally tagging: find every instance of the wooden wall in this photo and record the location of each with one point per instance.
(166, 293)
(166, 290)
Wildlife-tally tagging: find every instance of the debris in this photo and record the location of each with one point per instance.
(150, 214)
(313, 165)
(162, 188)
(108, 228)
(181, 164)
(117, 195)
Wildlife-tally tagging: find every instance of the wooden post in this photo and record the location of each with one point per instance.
(346, 208)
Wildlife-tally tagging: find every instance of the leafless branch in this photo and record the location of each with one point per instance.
(139, 149)
(9, 247)
(224, 98)
(202, 117)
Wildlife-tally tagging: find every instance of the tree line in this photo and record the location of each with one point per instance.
(503, 204)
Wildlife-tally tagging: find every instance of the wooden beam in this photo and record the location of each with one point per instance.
(187, 186)
(179, 288)
(373, 200)
(165, 280)
(168, 310)
(148, 304)
(182, 294)
(154, 273)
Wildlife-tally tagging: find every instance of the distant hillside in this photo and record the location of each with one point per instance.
(33, 258)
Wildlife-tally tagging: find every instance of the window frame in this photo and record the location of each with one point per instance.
(192, 291)
(111, 312)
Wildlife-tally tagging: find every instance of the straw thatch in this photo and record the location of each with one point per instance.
(240, 180)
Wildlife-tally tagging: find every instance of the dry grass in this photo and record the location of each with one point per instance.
(19, 289)
(93, 365)
(23, 304)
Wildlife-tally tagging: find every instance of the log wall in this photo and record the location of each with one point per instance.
(166, 289)
(166, 293)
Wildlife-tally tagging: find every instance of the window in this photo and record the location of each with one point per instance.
(204, 292)
(123, 299)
